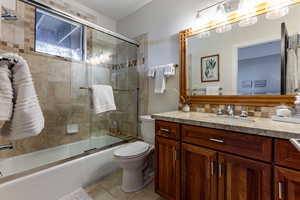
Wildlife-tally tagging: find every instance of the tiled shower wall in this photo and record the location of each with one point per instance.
(58, 80)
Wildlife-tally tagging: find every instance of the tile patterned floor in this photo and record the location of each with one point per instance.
(109, 188)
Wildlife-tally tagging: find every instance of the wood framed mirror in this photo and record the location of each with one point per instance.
(245, 66)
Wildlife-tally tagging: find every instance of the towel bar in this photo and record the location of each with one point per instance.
(6, 147)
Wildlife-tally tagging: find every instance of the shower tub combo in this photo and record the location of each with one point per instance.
(58, 169)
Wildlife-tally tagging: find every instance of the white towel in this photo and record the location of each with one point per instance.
(292, 72)
(27, 117)
(6, 94)
(79, 194)
(161, 73)
(169, 70)
(298, 70)
(103, 98)
(151, 72)
(160, 81)
(212, 90)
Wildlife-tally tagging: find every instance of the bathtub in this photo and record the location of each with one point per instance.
(54, 182)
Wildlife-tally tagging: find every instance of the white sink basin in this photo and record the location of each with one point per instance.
(233, 119)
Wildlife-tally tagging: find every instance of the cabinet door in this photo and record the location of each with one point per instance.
(199, 174)
(243, 179)
(167, 177)
(287, 184)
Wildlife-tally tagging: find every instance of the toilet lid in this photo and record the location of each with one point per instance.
(133, 149)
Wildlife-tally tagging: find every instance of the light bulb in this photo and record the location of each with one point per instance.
(201, 21)
(221, 14)
(221, 17)
(224, 28)
(247, 9)
(277, 13)
(248, 21)
(204, 34)
(277, 9)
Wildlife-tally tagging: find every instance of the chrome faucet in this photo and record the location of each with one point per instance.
(231, 110)
(244, 112)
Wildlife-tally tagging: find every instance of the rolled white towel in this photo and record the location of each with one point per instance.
(6, 94)
(27, 119)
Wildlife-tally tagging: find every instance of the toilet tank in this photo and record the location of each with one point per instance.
(147, 128)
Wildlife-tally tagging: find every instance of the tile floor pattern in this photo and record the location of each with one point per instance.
(109, 188)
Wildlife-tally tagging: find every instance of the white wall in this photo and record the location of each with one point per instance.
(162, 20)
(102, 20)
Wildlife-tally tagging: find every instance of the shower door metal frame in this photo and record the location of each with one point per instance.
(67, 15)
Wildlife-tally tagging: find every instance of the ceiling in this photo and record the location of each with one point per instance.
(116, 9)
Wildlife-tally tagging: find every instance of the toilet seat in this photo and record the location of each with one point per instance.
(132, 150)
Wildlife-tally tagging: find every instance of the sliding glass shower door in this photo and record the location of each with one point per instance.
(113, 62)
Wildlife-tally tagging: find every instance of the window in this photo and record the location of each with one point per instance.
(58, 36)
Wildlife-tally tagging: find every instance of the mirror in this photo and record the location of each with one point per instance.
(246, 60)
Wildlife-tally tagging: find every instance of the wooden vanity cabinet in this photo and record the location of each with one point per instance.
(223, 165)
(199, 173)
(243, 179)
(167, 150)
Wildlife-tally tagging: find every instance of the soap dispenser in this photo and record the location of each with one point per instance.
(297, 105)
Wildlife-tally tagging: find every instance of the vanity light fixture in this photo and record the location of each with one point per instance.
(246, 14)
(247, 8)
(221, 17)
(278, 9)
(201, 21)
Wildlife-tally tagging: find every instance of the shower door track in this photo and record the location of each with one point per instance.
(59, 12)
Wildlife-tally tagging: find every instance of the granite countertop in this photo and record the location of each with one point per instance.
(260, 126)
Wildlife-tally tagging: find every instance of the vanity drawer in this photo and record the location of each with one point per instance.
(167, 129)
(286, 154)
(251, 146)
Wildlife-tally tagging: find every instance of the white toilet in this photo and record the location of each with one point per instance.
(136, 159)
